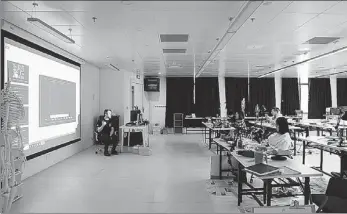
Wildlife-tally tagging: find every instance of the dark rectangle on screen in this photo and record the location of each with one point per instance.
(57, 101)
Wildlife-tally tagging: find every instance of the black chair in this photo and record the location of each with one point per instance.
(335, 198)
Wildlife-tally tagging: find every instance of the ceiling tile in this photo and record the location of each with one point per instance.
(310, 6)
(339, 8)
(48, 6)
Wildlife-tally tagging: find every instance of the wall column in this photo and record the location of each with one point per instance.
(2, 142)
(302, 71)
(221, 85)
(278, 89)
(333, 88)
(1, 24)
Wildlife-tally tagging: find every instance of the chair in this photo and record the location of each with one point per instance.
(335, 198)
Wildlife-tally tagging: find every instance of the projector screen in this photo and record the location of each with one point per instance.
(50, 91)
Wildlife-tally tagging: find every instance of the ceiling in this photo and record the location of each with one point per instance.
(127, 34)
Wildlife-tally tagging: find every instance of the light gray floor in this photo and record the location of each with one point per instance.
(173, 179)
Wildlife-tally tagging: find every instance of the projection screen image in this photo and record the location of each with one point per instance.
(50, 91)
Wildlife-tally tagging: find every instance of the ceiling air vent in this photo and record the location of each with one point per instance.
(174, 51)
(321, 40)
(174, 37)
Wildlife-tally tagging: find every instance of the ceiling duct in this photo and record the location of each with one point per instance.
(174, 51)
(247, 9)
(174, 37)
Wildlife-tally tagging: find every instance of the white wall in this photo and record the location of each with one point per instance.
(138, 91)
(155, 104)
(115, 92)
(89, 110)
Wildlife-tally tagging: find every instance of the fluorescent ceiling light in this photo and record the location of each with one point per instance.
(247, 9)
(113, 67)
(44, 26)
(339, 50)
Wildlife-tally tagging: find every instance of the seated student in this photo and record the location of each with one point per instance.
(280, 142)
(107, 134)
(276, 113)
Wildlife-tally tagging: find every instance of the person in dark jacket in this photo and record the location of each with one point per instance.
(107, 132)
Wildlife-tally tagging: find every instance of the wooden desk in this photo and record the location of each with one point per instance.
(319, 126)
(129, 129)
(304, 172)
(197, 120)
(322, 143)
(222, 145)
(211, 130)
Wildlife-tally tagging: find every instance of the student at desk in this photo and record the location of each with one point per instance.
(228, 135)
(280, 142)
(276, 113)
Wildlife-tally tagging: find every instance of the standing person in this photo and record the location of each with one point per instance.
(107, 134)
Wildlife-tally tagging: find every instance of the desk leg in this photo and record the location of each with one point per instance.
(205, 135)
(220, 162)
(307, 191)
(209, 138)
(129, 138)
(321, 160)
(268, 192)
(122, 141)
(294, 143)
(303, 151)
(265, 189)
(239, 182)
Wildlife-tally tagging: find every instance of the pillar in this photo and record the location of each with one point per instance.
(302, 71)
(333, 88)
(278, 89)
(221, 84)
(1, 24)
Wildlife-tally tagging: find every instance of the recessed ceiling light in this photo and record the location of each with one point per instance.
(159, 73)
